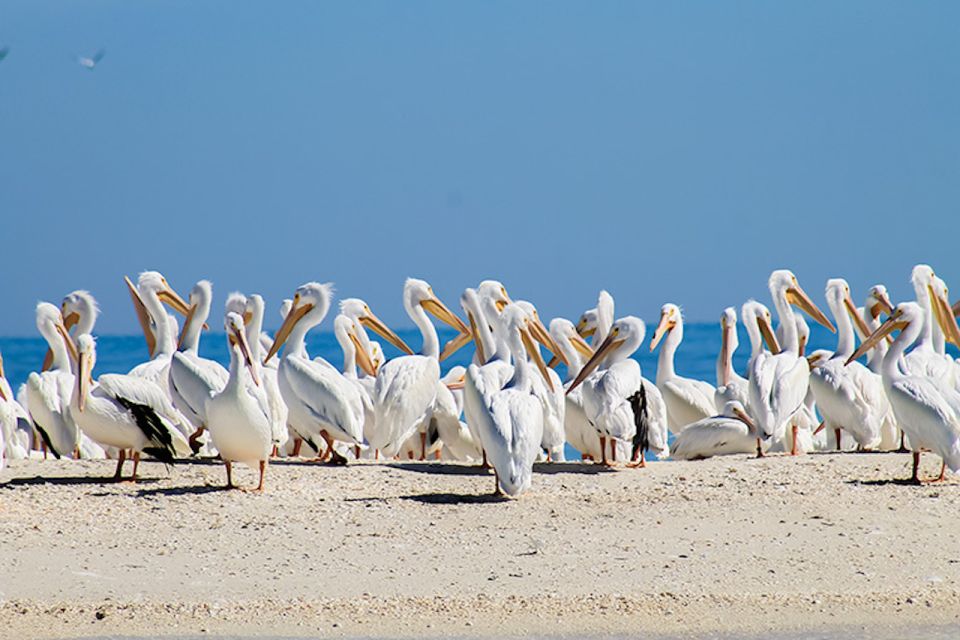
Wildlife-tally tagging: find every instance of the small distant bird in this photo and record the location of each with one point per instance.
(92, 61)
(4, 50)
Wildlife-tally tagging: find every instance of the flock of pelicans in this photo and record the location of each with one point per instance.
(509, 408)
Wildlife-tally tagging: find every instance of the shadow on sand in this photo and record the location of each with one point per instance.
(886, 482)
(180, 491)
(69, 480)
(456, 498)
(439, 468)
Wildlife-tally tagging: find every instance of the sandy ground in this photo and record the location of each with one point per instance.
(731, 545)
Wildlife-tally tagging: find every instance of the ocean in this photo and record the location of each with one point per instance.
(696, 357)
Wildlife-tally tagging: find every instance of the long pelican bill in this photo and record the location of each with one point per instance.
(293, 317)
(456, 343)
(883, 305)
(725, 355)
(584, 330)
(540, 333)
(769, 337)
(610, 344)
(745, 419)
(240, 339)
(667, 322)
(67, 341)
(442, 313)
(173, 300)
(372, 322)
(69, 320)
(534, 352)
(363, 358)
(581, 346)
(143, 317)
(892, 324)
(956, 308)
(186, 325)
(797, 296)
(945, 318)
(83, 380)
(855, 315)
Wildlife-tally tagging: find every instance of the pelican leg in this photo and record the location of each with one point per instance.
(759, 449)
(194, 439)
(603, 450)
(638, 460)
(903, 443)
(297, 445)
(496, 485)
(793, 438)
(263, 471)
(335, 458)
(836, 434)
(136, 464)
(275, 452)
(356, 451)
(76, 453)
(376, 455)
(485, 464)
(436, 454)
(119, 473)
(941, 477)
(613, 451)
(229, 466)
(915, 476)
(423, 445)
(43, 447)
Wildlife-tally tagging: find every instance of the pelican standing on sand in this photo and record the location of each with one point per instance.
(407, 386)
(688, 400)
(239, 416)
(321, 404)
(48, 392)
(510, 420)
(192, 379)
(123, 411)
(779, 381)
(927, 409)
(849, 397)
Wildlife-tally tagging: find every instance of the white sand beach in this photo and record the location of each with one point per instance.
(736, 545)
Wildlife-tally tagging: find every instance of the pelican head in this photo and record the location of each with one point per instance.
(79, 305)
(878, 301)
(562, 329)
(783, 285)
(309, 307)
(418, 293)
(840, 301)
(540, 332)
(237, 341)
(904, 315)
(359, 311)
(494, 291)
(154, 282)
(236, 303)
(756, 314)
(942, 312)
(670, 318)
(51, 326)
(734, 409)
(516, 323)
(625, 337)
(470, 303)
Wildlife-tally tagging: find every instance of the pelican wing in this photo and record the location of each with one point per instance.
(930, 415)
(192, 381)
(325, 394)
(405, 390)
(712, 437)
(141, 391)
(694, 396)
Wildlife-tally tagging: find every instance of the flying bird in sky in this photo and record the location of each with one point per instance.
(92, 61)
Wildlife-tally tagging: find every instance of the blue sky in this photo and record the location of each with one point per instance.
(665, 151)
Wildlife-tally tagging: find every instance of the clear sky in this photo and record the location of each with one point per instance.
(665, 151)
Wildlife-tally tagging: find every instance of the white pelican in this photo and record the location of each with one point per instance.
(79, 310)
(48, 392)
(148, 297)
(615, 397)
(577, 428)
(252, 313)
(927, 408)
(407, 386)
(239, 416)
(322, 405)
(551, 395)
(877, 302)
(729, 433)
(731, 386)
(849, 397)
(779, 382)
(123, 411)
(192, 379)
(458, 440)
(688, 400)
(16, 430)
(595, 323)
(510, 420)
(924, 359)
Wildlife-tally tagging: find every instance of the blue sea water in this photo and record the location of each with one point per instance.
(696, 357)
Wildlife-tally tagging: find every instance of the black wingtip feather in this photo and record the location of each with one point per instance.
(46, 441)
(154, 428)
(641, 440)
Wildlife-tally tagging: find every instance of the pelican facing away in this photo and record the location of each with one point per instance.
(510, 420)
(729, 433)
